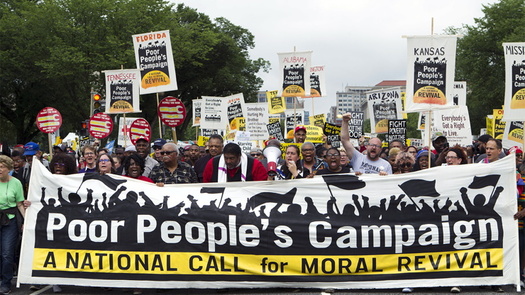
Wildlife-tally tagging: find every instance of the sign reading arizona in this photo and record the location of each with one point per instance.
(154, 59)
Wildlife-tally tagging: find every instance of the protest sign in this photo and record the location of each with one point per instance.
(430, 73)
(214, 115)
(332, 133)
(444, 226)
(459, 93)
(454, 124)
(317, 82)
(513, 135)
(154, 59)
(234, 109)
(383, 105)
(514, 105)
(276, 104)
(256, 120)
(318, 120)
(295, 69)
(197, 111)
(498, 124)
(122, 91)
(292, 120)
(274, 130)
(397, 129)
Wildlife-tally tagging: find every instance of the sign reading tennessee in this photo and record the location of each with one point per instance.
(154, 59)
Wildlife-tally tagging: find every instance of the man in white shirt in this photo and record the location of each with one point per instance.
(370, 163)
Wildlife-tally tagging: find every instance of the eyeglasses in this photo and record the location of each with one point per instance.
(59, 164)
(405, 165)
(104, 160)
(375, 146)
(450, 157)
(255, 155)
(88, 153)
(166, 152)
(307, 150)
(333, 155)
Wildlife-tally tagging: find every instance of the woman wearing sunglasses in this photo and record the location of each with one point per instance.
(404, 163)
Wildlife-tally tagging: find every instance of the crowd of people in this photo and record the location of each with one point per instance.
(163, 162)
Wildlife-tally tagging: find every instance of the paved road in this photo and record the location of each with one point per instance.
(67, 290)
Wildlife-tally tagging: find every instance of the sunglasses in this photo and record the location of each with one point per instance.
(255, 155)
(405, 165)
(166, 152)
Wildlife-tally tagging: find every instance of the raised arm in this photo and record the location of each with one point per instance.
(345, 136)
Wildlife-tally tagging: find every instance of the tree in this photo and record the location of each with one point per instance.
(53, 53)
(480, 58)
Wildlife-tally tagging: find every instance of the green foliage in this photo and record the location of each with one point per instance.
(480, 58)
(53, 53)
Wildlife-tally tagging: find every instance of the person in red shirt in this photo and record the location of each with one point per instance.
(234, 165)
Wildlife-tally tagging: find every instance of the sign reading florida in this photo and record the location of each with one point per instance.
(430, 76)
(154, 59)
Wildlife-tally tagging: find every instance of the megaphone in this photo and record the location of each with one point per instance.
(272, 154)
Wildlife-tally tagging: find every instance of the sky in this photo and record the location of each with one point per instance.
(359, 42)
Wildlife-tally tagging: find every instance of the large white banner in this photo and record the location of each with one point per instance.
(430, 74)
(514, 106)
(383, 105)
(454, 124)
(122, 91)
(154, 59)
(213, 111)
(444, 226)
(256, 120)
(295, 79)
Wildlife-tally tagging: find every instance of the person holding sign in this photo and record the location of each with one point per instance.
(371, 163)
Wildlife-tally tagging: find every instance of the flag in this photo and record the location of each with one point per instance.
(212, 190)
(112, 183)
(344, 181)
(266, 197)
(419, 188)
(484, 181)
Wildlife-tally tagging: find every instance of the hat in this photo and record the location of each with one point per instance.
(437, 135)
(515, 149)
(62, 147)
(484, 138)
(130, 148)
(300, 127)
(256, 150)
(158, 143)
(31, 148)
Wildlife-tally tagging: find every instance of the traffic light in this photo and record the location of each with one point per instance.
(96, 103)
(84, 129)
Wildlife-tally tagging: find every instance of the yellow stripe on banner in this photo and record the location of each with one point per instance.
(269, 265)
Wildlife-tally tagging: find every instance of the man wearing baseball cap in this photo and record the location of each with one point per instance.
(299, 135)
(157, 146)
(33, 149)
